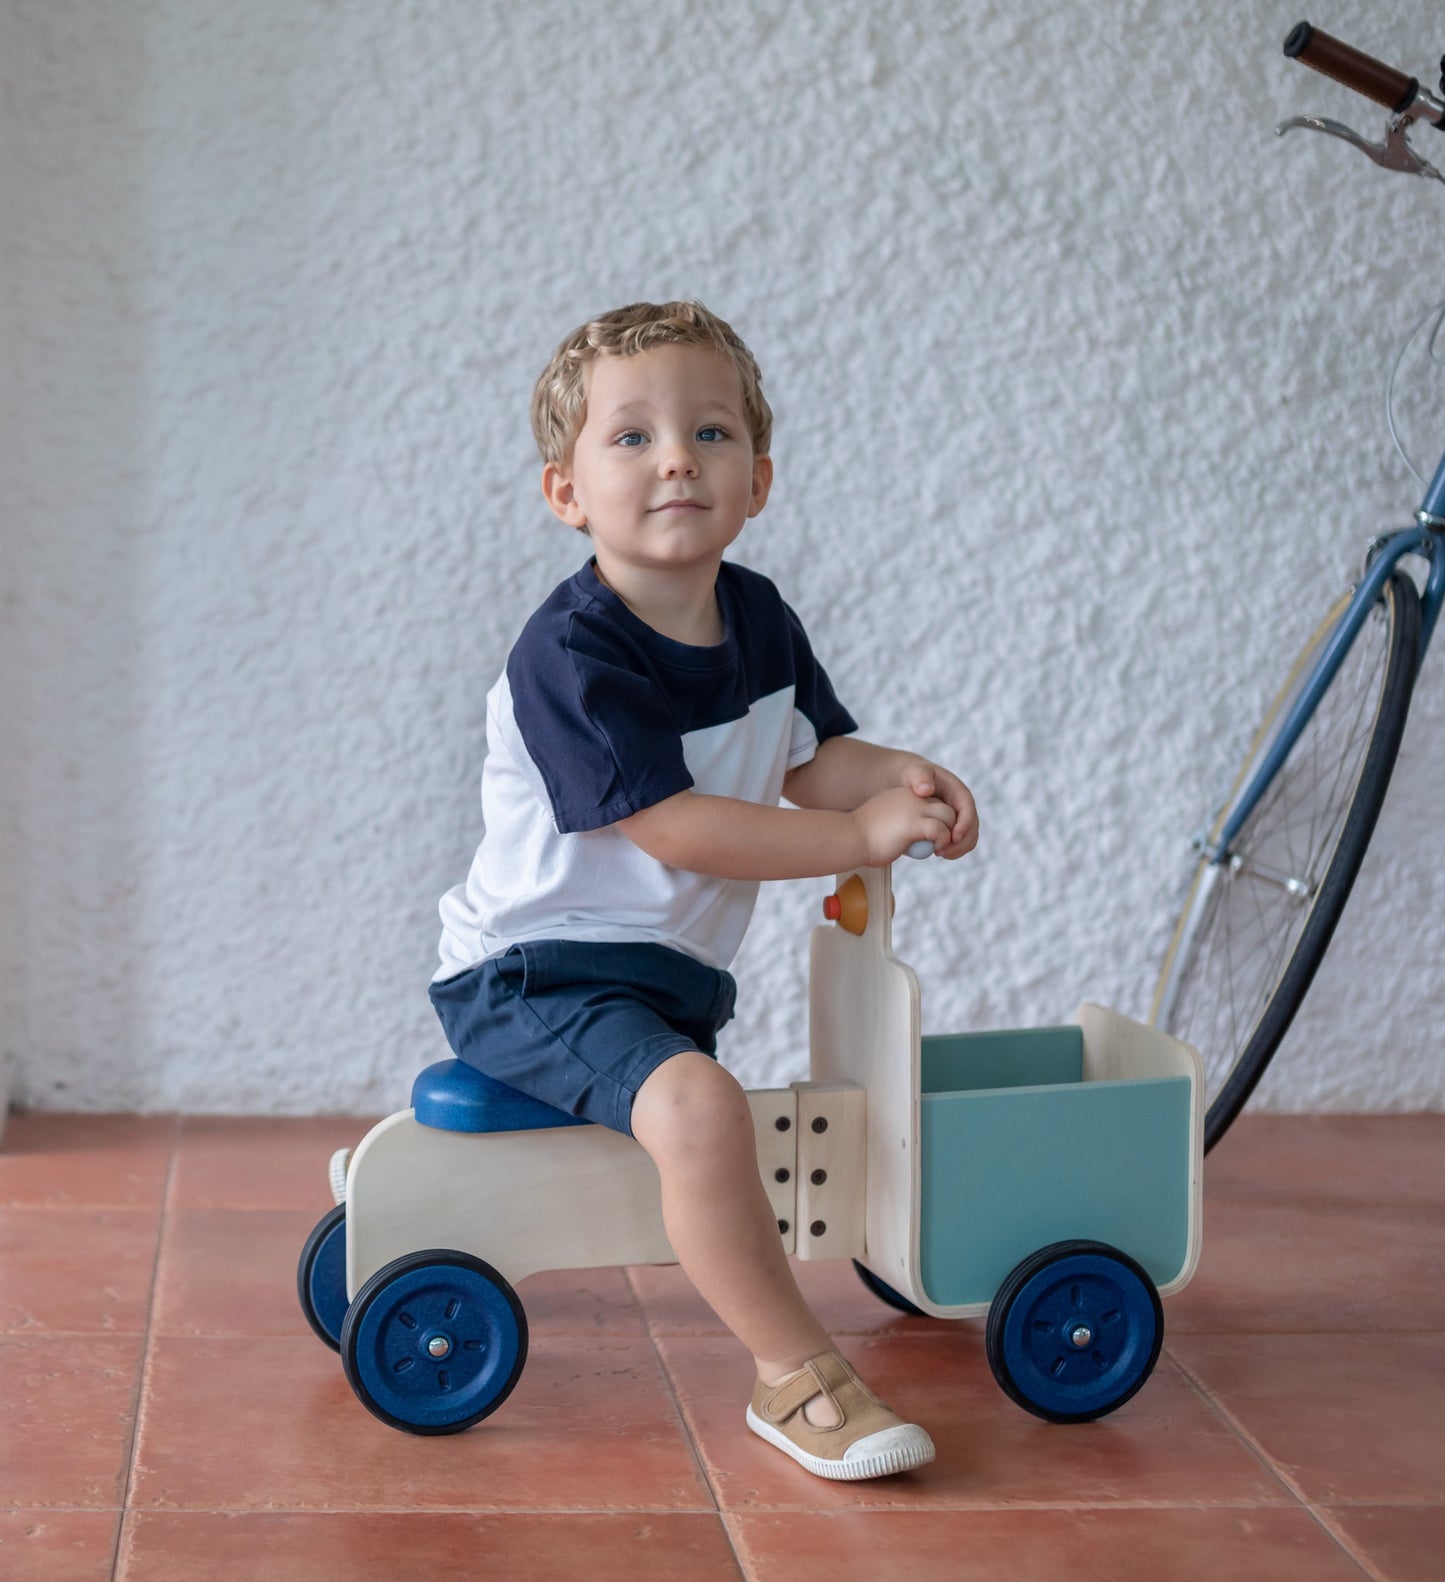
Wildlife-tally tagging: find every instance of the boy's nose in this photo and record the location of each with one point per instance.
(679, 460)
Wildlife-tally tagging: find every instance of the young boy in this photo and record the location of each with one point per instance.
(651, 715)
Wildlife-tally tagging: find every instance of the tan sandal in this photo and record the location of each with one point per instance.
(868, 1442)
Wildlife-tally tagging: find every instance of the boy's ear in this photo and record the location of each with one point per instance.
(762, 483)
(559, 493)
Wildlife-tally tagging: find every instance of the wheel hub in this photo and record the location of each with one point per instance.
(1074, 1331)
(434, 1342)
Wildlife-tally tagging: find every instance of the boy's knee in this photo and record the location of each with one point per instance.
(689, 1106)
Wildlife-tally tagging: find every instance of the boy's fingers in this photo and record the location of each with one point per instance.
(923, 778)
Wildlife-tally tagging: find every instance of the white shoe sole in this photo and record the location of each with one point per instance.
(890, 1450)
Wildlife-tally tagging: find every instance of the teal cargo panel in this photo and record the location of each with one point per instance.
(1006, 1171)
(1015, 1058)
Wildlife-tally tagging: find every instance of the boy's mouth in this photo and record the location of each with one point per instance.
(680, 505)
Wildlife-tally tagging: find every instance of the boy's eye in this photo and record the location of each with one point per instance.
(631, 439)
(711, 434)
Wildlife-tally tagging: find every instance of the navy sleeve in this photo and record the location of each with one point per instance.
(814, 696)
(599, 732)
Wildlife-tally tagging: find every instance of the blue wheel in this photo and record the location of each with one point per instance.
(321, 1277)
(1074, 1331)
(434, 1342)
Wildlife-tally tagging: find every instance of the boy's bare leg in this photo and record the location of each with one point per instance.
(693, 1118)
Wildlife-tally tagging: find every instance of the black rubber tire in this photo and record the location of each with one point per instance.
(1401, 603)
(886, 1293)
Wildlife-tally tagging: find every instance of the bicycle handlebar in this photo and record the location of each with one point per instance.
(1346, 64)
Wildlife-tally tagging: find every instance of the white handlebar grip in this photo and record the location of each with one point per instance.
(921, 849)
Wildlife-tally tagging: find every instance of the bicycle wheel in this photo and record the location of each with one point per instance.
(1256, 923)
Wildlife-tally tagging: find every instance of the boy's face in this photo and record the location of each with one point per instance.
(663, 474)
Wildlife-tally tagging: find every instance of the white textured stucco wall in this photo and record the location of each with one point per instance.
(1077, 377)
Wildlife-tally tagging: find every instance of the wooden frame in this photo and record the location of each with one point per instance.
(840, 1155)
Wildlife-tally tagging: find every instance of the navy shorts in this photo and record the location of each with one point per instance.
(582, 1026)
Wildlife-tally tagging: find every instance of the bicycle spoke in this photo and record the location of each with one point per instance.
(1354, 748)
(1229, 966)
(1284, 942)
(1323, 814)
(1308, 801)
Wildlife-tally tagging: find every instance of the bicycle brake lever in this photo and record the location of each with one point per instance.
(1394, 153)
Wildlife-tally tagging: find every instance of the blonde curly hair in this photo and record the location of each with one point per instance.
(559, 402)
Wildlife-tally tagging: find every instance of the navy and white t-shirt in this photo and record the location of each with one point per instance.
(598, 716)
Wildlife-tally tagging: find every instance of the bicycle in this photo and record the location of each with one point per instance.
(1277, 858)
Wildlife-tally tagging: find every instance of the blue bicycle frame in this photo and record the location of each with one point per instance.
(1427, 540)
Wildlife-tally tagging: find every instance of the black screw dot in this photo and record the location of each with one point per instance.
(783, 1226)
(818, 1228)
(783, 1123)
(821, 1124)
(782, 1173)
(818, 1177)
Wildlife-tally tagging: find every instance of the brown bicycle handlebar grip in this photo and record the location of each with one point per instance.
(1351, 66)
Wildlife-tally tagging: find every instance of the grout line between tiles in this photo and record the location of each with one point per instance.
(671, 1388)
(1224, 1333)
(115, 1541)
(896, 1507)
(421, 1513)
(1234, 1424)
(900, 1506)
(142, 1372)
(686, 1427)
(745, 1571)
(1321, 1518)
(59, 1510)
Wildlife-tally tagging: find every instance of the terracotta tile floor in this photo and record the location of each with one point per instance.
(168, 1415)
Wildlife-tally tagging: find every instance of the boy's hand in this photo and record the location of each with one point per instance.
(931, 782)
(891, 821)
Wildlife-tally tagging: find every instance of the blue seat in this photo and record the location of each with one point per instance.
(455, 1097)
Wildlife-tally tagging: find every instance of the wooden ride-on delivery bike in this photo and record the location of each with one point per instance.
(1049, 1178)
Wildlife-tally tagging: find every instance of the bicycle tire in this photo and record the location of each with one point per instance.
(1202, 944)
